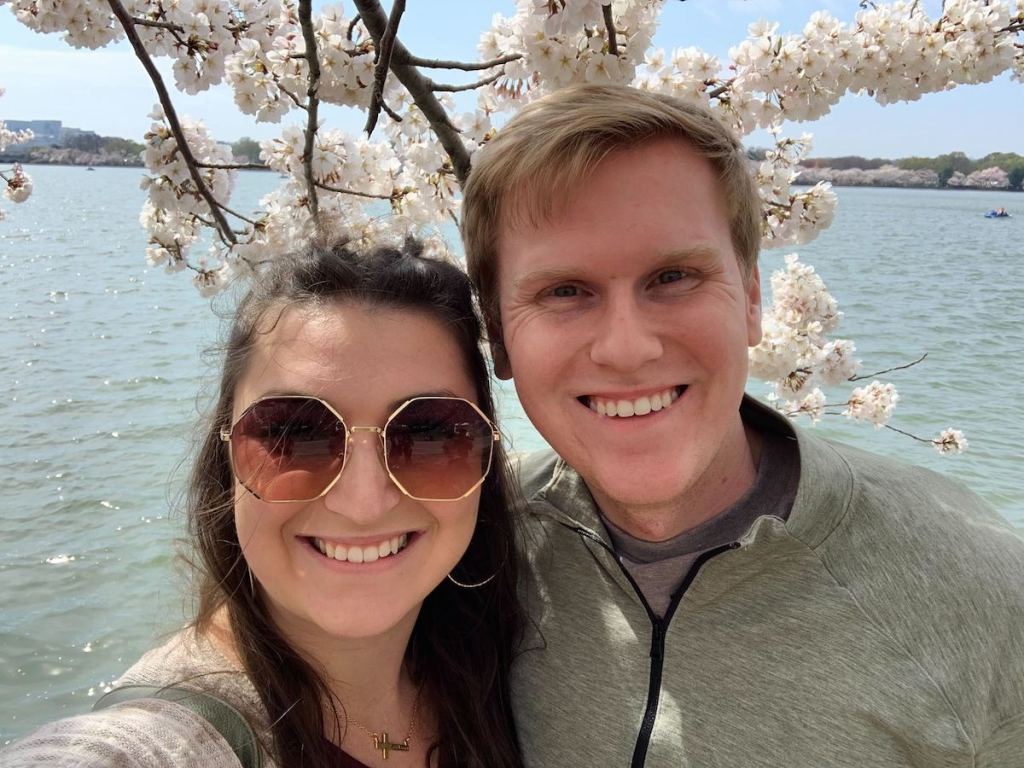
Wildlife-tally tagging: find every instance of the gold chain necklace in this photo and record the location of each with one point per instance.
(381, 741)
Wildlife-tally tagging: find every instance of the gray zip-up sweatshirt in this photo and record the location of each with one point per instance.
(881, 625)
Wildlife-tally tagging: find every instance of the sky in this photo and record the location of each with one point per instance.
(106, 91)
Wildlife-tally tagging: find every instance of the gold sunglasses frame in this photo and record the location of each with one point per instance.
(225, 435)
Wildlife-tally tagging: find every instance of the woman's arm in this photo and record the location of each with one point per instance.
(143, 733)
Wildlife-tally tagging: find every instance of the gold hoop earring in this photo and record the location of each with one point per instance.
(458, 583)
(490, 578)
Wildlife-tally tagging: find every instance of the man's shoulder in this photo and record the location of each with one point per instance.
(912, 507)
(921, 553)
(533, 471)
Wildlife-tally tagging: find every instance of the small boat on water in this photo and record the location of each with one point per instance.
(997, 213)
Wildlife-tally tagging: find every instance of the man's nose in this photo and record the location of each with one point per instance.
(365, 492)
(625, 336)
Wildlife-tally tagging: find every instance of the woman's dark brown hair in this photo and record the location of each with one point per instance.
(462, 644)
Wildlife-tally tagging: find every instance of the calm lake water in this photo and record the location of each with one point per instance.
(102, 364)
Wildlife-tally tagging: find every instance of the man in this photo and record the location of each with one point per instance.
(711, 586)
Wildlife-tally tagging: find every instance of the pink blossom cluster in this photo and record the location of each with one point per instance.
(17, 184)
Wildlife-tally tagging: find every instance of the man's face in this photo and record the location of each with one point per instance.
(631, 301)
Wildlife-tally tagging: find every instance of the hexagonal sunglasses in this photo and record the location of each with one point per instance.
(290, 448)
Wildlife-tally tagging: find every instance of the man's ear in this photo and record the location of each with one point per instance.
(753, 291)
(499, 358)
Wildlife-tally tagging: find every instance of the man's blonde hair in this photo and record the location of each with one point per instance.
(547, 150)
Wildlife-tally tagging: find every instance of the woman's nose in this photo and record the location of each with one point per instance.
(364, 492)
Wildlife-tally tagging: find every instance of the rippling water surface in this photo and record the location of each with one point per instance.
(102, 364)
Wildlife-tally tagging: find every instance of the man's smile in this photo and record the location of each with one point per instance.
(629, 406)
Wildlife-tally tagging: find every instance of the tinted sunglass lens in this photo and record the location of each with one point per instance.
(287, 448)
(438, 448)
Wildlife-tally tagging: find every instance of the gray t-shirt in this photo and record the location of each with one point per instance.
(659, 567)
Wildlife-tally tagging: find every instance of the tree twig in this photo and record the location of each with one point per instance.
(908, 434)
(351, 28)
(390, 112)
(353, 192)
(465, 66)
(234, 166)
(125, 20)
(237, 215)
(888, 370)
(290, 95)
(446, 88)
(714, 94)
(609, 23)
(385, 47)
(312, 104)
(158, 24)
(419, 88)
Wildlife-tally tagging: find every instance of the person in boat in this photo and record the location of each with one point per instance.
(353, 535)
(712, 585)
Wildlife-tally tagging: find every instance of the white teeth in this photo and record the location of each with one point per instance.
(639, 407)
(368, 554)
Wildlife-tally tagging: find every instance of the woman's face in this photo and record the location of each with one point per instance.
(364, 363)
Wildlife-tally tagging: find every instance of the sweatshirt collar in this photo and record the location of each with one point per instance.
(823, 494)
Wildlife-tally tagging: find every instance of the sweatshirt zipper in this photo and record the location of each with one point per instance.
(658, 630)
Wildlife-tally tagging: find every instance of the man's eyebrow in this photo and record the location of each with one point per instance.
(692, 253)
(557, 274)
(546, 275)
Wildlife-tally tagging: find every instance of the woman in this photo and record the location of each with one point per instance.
(353, 541)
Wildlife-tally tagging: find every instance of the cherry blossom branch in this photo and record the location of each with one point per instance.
(446, 88)
(125, 20)
(352, 27)
(419, 88)
(295, 99)
(385, 48)
(888, 370)
(609, 23)
(312, 104)
(158, 24)
(723, 88)
(390, 112)
(465, 66)
(353, 192)
(233, 166)
(237, 215)
(908, 434)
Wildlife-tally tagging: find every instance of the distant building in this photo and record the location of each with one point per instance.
(46, 133)
(52, 133)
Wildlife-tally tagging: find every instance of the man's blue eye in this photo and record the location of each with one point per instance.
(670, 276)
(564, 292)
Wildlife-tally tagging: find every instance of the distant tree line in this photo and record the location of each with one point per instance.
(247, 150)
(946, 166)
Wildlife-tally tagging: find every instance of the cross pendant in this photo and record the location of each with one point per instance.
(382, 745)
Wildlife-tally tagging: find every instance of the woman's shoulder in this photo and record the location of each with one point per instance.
(148, 731)
(191, 660)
